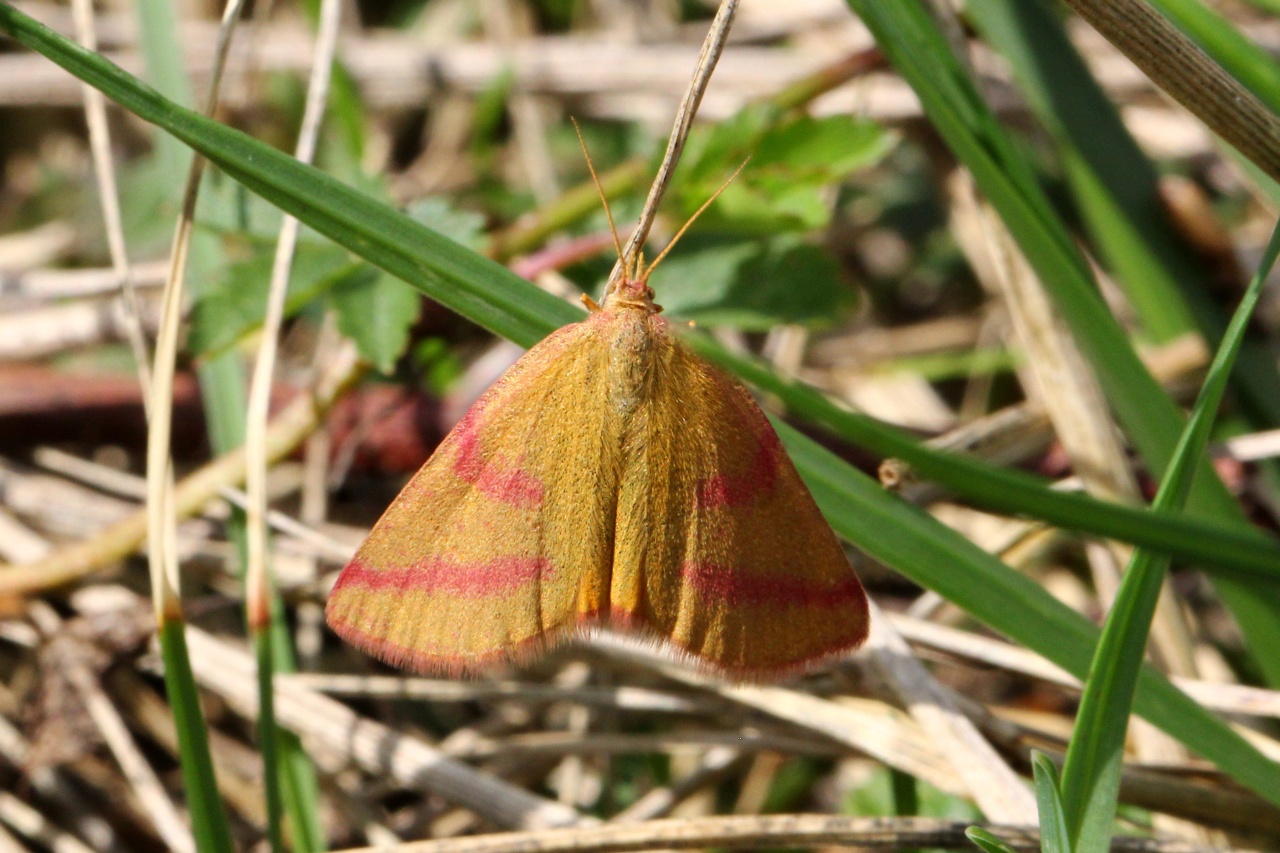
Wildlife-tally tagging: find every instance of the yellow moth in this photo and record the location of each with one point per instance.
(609, 476)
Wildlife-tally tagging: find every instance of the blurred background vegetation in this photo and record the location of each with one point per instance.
(983, 231)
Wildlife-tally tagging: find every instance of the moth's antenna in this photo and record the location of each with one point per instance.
(613, 229)
(715, 195)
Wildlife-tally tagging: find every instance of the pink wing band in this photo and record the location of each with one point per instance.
(723, 490)
(467, 580)
(510, 485)
(734, 587)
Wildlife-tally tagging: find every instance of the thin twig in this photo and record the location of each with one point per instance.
(751, 831)
(1177, 64)
(95, 111)
(711, 50)
(121, 539)
(162, 521)
(256, 427)
(992, 783)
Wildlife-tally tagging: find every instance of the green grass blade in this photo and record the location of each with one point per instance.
(268, 740)
(300, 787)
(1054, 837)
(208, 816)
(221, 387)
(986, 841)
(900, 535)
(491, 295)
(933, 555)
(911, 41)
(1091, 777)
(1232, 546)
(1116, 190)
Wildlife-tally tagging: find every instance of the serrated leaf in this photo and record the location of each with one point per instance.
(785, 186)
(440, 215)
(376, 311)
(836, 145)
(752, 284)
(234, 304)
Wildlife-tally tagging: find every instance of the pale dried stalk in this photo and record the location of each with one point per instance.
(1223, 698)
(868, 726)
(32, 825)
(115, 481)
(48, 284)
(755, 831)
(169, 824)
(18, 542)
(161, 520)
(707, 59)
(104, 170)
(684, 742)
(494, 690)
(121, 539)
(52, 329)
(257, 585)
(998, 791)
(343, 737)
(1177, 65)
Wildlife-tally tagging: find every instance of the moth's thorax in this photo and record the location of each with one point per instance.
(636, 336)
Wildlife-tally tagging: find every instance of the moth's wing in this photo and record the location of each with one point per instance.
(503, 538)
(720, 548)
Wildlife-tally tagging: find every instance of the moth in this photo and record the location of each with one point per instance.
(610, 476)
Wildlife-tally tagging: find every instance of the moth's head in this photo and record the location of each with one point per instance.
(633, 291)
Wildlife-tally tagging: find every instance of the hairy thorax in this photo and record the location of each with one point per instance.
(638, 339)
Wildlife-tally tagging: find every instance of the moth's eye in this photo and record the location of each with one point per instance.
(648, 292)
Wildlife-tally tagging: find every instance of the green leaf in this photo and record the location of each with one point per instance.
(235, 303)
(1054, 837)
(785, 186)
(465, 227)
(751, 284)
(900, 535)
(1095, 757)
(988, 842)
(910, 39)
(376, 311)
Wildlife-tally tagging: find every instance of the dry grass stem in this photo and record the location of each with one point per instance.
(603, 743)
(991, 783)
(330, 727)
(739, 832)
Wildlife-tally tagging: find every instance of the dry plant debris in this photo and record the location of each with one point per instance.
(855, 254)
